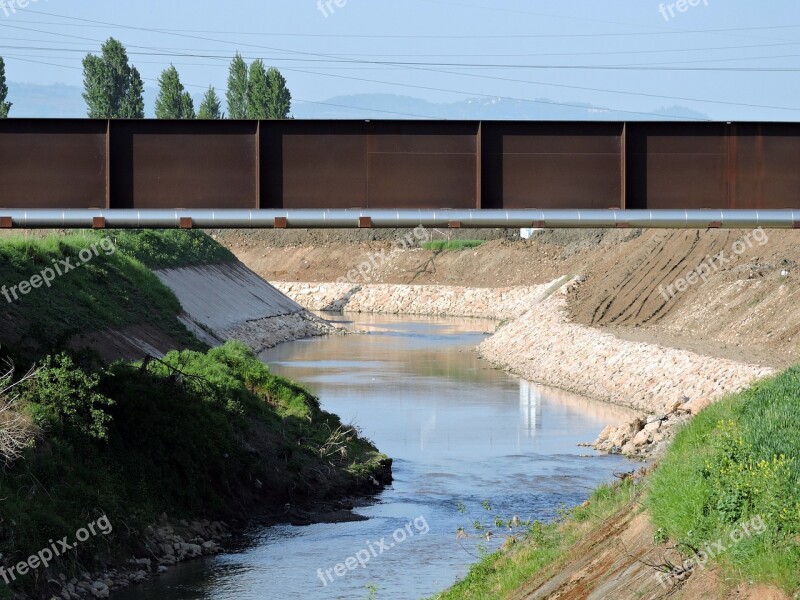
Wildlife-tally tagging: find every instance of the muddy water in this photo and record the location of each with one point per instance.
(463, 436)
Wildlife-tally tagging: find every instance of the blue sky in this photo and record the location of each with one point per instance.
(549, 43)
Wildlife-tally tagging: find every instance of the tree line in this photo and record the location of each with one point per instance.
(113, 89)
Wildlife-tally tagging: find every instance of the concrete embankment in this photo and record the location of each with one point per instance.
(537, 342)
(228, 301)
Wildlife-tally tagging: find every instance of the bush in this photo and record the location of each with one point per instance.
(61, 392)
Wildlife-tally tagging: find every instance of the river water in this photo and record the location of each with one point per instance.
(465, 438)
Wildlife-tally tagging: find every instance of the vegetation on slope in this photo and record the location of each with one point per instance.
(109, 290)
(213, 435)
(737, 462)
(171, 248)
(196, 435)
(451, 245)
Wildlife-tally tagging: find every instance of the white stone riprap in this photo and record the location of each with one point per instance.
(537, 342)
(430, 300)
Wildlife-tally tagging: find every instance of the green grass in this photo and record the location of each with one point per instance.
(735, 463)
(170, 248)
(504, 572)
(451, 245)
(133, 443)
(111, 290)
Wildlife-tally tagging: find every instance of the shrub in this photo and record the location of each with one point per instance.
(64, 393)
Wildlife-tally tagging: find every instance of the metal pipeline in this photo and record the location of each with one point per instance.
(330, 219)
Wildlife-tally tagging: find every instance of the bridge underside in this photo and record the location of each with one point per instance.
(449, 173)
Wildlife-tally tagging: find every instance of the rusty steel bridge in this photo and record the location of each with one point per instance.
(78, 173)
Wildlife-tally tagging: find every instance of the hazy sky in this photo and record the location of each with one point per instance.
(694, 55)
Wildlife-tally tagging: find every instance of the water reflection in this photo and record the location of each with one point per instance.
(530, 405)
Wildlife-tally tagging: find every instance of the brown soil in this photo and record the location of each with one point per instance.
(746, 311)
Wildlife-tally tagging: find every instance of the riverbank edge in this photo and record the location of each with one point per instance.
(167, 541)
(535, 340)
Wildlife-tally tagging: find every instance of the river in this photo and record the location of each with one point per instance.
(465, 438)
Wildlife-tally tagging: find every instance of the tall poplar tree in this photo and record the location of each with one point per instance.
(279, 99)
(258, 91)
(113, 89)
(173, 101)
(237, 88)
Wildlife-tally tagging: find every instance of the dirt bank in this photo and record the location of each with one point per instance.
(747, 311)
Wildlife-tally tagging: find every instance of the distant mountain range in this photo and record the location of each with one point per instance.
(390, 106)
(59, 100)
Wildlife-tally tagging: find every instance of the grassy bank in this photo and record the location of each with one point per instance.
(92, 284)
(199, 434)
(732, 476)
(170, 249)
(737, 463)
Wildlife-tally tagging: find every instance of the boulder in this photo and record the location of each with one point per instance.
(641, 439)
(605, 434)
(100, 590)
(651, 427)
(698, 405)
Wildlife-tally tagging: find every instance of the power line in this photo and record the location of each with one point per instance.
(496, 78)
(186, 51)
(416, 36)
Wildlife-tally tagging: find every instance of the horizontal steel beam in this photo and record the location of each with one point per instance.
(344, 219)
